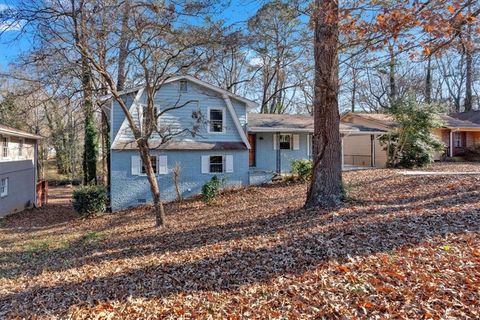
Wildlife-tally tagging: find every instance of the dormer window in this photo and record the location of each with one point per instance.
(183, 86)
(215, 119)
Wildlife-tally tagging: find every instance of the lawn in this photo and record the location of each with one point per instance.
(400, 247)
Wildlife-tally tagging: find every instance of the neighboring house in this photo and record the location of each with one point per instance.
(18, 170)
(472, 116)
(455, 134)
(219, 148)
(277, 139)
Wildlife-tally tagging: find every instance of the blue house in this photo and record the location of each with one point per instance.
(243, 148)
(220, 146)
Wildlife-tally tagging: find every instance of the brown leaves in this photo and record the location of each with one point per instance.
(401, 247)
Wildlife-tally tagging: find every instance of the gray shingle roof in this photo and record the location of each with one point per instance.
(472, 116)
(18, 133)
(182, 145)
(295, 123)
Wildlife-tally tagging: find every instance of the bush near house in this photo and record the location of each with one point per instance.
(211, 189)
(89, 200)
(472, 153)
(302, 168)
(411, 143)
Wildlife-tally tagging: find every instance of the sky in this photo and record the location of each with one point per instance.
(13, 43)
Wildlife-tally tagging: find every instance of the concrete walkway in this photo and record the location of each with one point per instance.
(437, 173)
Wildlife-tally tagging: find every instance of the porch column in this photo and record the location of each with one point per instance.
(451, 144)
(341, 147)
(372, 150)
(278, 155)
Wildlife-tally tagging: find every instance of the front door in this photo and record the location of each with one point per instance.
(251, 155)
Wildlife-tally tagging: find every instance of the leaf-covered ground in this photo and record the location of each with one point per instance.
(400, 247)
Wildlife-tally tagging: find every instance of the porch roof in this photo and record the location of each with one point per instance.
(182, 145)
(18, 133)
(450, 122)
(258, 122)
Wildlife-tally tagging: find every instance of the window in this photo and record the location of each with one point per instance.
(216, 164)
(216, 120)
(183, 86)
(20, 148)
(4, 147)
(3, 187)
(285, 141)
(457, 139)
(153, 160)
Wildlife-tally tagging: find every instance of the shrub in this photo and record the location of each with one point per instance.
(472, 153)
(89, 200)
(411, 143)
(211, 189)
(302, 168)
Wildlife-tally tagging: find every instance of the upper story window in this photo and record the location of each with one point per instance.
(3, 187)
(4, 146)
(215, 118)
(285, 141)
(183, 86)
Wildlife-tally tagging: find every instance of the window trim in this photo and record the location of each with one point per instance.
(5, 192)
(290, 142)
(210, 163)
(142, 166)
(223, 119)
(2, 148)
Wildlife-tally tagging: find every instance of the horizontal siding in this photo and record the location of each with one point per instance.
(117, 113)
(198, 99)
(265, 155)
(126, 188)
(21, 186)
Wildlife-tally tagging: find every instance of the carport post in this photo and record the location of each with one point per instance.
(372, 150)
(343, 159)
(451, 143)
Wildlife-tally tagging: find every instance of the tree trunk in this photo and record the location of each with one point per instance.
(152, 179)
(428, 81)
(326, 185)
(391, 75)
(90, 142)
(123, 48)
(469, 68)
(354, 88)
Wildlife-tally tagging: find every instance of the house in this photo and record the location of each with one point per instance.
(456, 134)
(220, 146)
(472, 116)
(240, 147)
(277, 139)
(18, 170)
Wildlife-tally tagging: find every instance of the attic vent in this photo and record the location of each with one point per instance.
(183, 86)
(142, 200)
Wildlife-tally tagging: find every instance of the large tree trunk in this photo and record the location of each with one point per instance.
(468, 47)
(326, 185)
(391, 75)
(152, 179)
(428, 81)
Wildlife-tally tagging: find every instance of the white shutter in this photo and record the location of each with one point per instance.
(162, 165)
(296, 142)
(229, 163)
(136, 165)
(275, 145)
(205, 164)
